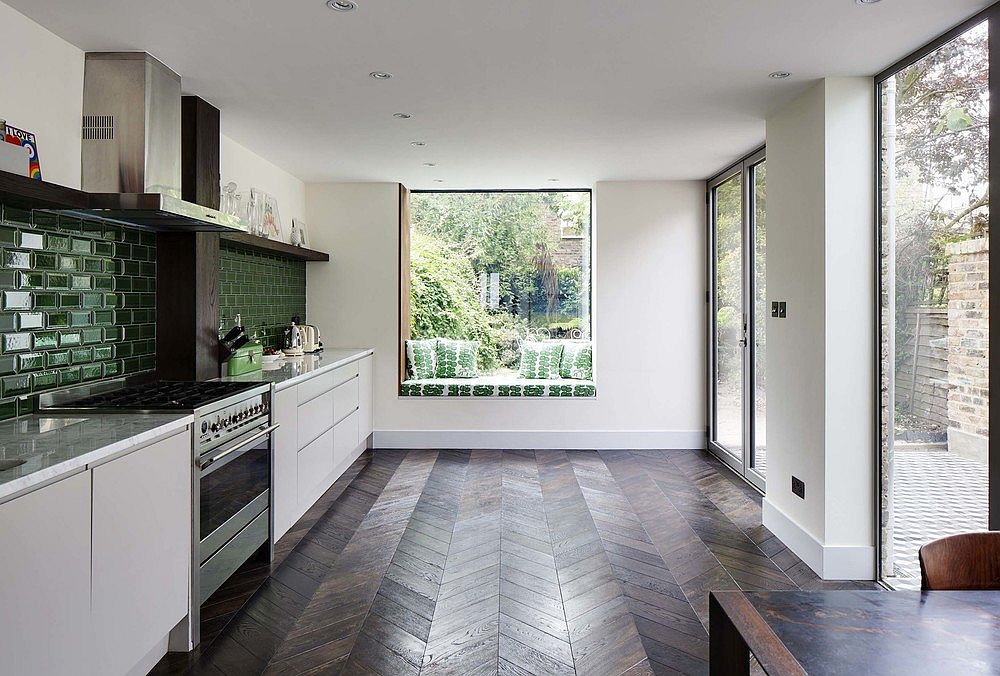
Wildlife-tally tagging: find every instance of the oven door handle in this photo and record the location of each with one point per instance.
(214, 459)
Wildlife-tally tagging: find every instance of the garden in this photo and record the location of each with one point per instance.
(500, 267)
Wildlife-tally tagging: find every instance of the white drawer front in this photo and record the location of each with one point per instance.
(345, 399)
(345, 437)
(314, 387)
(315, 417)
(315, 463)
(344, 373)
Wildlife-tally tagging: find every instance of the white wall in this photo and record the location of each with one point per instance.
(42, 92)
(795, 273)
(249, 170)
(820, 402)
(648, 322)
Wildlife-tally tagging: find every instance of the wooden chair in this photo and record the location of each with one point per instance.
(965, 562)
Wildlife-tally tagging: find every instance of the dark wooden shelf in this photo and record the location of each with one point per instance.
(274, 247)
(28, 193)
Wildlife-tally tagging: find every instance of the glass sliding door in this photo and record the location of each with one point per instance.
(737, 311)
(730, 315)
(758, 281)
(934, 211)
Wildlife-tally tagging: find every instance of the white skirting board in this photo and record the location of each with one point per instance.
(541, 439)
(830, 562)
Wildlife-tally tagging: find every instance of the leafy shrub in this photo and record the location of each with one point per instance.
(444, 303)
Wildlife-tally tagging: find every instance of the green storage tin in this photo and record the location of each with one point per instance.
(246, 359)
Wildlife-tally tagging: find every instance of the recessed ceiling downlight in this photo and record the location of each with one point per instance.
(553, 180)
(438, 180)
(402, 116)
(867, 2)
(779, 75)
(342, 5)
(429, 164)
(418, 144)
(380, 75)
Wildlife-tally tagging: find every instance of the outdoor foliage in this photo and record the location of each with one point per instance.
(457, 236)
(940, 123)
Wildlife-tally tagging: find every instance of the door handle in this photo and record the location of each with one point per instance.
(214, 459)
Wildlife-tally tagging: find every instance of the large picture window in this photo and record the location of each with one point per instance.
(934, 253)
(499, 268)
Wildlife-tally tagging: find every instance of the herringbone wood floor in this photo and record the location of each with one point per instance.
(509, 562)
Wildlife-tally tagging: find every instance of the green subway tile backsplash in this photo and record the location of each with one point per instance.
(65, 285)
(266, 290)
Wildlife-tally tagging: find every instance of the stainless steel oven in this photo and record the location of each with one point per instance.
(234, 489)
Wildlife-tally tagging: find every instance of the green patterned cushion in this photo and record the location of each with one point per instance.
(540, 360)
(500, 387)
(457, 358)
(421, 359)
(577, 361)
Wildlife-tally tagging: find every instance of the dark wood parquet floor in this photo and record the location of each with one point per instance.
(500, 562)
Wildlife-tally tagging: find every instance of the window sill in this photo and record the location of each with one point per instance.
(499, 387)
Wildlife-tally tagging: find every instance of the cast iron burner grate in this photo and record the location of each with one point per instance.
(163, 395)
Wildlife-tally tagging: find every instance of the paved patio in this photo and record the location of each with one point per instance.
(937, 493)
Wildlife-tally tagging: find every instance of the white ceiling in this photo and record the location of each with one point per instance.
(508, 93)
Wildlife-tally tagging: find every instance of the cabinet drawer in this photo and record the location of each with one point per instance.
(344, 373)
(345, 437)
(314, 387)
(345, 399)
(315, 463)
(315, 417)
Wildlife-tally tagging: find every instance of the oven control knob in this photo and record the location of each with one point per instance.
(215, 426)
(204, 426)
(225, 422)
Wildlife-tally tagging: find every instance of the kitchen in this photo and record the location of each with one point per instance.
(169, 416)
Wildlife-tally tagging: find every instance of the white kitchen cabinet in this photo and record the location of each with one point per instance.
(345, 438)
(285, 441)
(366, 399)
(141, 552)
(323, 420)
(315, 466)
(45, 594)
(315, 417)
(345, 399)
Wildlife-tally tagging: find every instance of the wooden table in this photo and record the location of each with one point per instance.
(855, 632)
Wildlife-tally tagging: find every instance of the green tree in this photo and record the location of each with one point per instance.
(941, 161)
(444, 303)
(496, 232)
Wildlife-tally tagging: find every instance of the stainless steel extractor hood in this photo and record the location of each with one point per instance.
(132, 146)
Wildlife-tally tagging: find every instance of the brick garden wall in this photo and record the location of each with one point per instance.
(968, 347)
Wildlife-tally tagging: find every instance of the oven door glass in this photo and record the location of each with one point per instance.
(232, 483)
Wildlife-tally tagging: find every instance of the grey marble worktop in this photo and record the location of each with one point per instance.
(54, 446)
(293, 370)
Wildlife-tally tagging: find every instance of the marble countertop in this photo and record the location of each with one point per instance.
(293, 370)
(57, 445)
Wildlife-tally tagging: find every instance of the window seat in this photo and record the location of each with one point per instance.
(499, 387)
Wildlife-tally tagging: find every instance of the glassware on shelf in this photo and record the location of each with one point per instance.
(255, 213)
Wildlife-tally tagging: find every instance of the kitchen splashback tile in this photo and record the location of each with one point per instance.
(267, 291)
(61, 280)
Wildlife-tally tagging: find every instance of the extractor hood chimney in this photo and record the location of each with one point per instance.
(132, 146)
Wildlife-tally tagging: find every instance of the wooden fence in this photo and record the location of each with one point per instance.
(922, 374)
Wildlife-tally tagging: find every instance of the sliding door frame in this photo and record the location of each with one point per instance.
(992, 14)
(743, 465)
